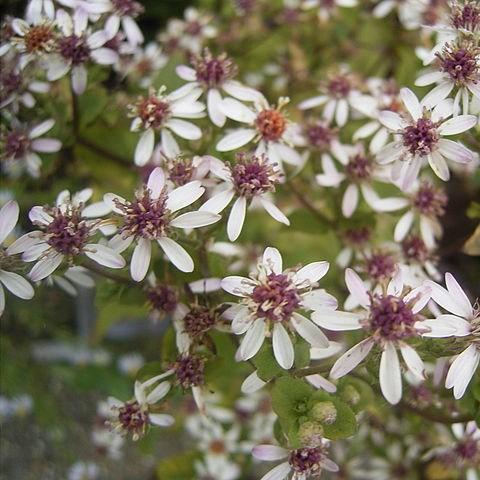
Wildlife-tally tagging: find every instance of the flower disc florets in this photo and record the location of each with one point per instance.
(132, 418)
(212, 71)
(339, 86)
(39, 39)
(357, 236)
(15, 144)
(145, 217)
(466, 16)
(381, 266)
(128, 7)
(460, 62)
(199, 320)
(319, 135)
(430, 200)
(421, 137)
(189, 371)
(74, 49)
(253, 175)
(180, 170)
(414, 249)
(307, 460)
(359, 168)
(162, 298)
(153, 111)
(271, 124)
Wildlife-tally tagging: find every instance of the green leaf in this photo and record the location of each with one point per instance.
(266, 364)
(179, 467)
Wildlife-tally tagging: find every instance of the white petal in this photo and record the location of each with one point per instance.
(462, 370)
(169, 144)
(390, 374)
(144, 148)
(185, 195)
(218, 202)
(186, 73)
(457, 292)
(457, 125)
(282, 347)
(236, 139)
(336, 320)
(272, 260)
(279, 472)
(156, 182)
(8, 219)
(184, 129)
(439, 166)
(319, 300)
(46, 145)
(403, 226)
(350, 200)
(236, 218)
(141, 259)
(310, 332)
(411, 103)
(252, 384)
(311, 273)
(161, 419)
(45, 267)
(195, 219)
(269, 452)
(176, 254)
(413, 361)
(391, 120)
(436, 95)
(321, 383)
(104, 255)
(455, 151)
(274, 211)
(41, 128)
(79, 79)
(104, 56)
(239, 286)
(356, 287)
(237, 111)
(158, 392)
(253, 340)
(351, 358)
(16, 285)
(312, 102)
(215, 112)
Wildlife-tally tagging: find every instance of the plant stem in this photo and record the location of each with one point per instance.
(94, 267)
(102, 151)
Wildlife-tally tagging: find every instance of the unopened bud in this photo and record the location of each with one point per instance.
(309, 432)
(324, 412)
(351, 395)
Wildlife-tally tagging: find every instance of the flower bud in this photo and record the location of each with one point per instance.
(351, 395)
(310, 431)
(324, 412)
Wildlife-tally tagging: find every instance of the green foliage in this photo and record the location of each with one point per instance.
(178, 467)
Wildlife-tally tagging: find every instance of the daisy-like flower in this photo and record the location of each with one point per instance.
(339, 93)
(214, 74)
(465, 319)
(268, 307)
(163, 113)
(320, 136)
(196, 28)
(12, 281)
(356, 241)
(180, 170)
(217, 467)
(360, 170)
(145, 64)
(457, 66)
(124, 13)
(266, 125)
(327, 8)
(390, 319)
(426, 204)
(65, 233)
(250, 178)
(75, 48)
(134, 417)
(151, 216)
(418, 137)
(21, 146)
(299, 464)
(38, 9)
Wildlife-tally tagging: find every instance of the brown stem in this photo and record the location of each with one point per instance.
(94, 267)
(103, 151)
(435, 415)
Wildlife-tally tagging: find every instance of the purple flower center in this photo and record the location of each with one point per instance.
(276, 298)
(153, 111)
(189, 371)
(245, 7)
(467, 16)
(162, 298)
(128, 7)
(271, 124)
(253, 175)
(213, 71)
(74, 49)
(319, 136)
(359, 168)
(145, 217)
(193, 28)
(380, 266)
(430, 201)
(199, 320)
(461, 64)
(10, 82)
(414, 249)
(306, 460)
(132, 418)
(468, 450)
(421, 137)
(391, 318)
(357, 236)
(339, 86)
(68, 232)
(16, 144)
(180, 171)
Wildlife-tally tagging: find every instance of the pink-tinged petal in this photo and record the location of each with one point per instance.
(141, 259)
(239, 286)
(41, 128)
(252, 384)
(186, 73)
(356, 287)
(395, 286)
(445, 299)
(390, 374)
(391, 120)
(184, 196)
(176, 254)
(329, 465)
(350, 200)
(253, 340)
(462, 370)
(272, 260)
(218, 202)
(46, 145)
(242, 321)
(169, 144)
(104, 255)
(45, 267)
(132, 31)
(104, 56)
(312, 102)
(446, 326)
(457, 292)
(236, 218)
(39, 215)
(437, 94)
(112, 199)
(280, 472)
(337, 321)
(156, 182)
(195, 219)
(390, 153)
(411, 103)
(8, 219)
(17, 285)
(25, 242)
(79, 79)
(205, 285)
(311, 273)
(144, 148)
(455, 151)
(420, 296)
(351, 358)
(215, 112)
(161, 419)
(309, 331)
(321, 383)
(319, 299)
(403, 226)
(269, 452)
(429, 78)
(35, 251)
(282, 347)
(457, 125)
(274, 211)
(236, 139)
(439, 166)
(413, 361)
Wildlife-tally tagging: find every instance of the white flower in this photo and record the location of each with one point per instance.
(418, 137)
(214, 74)
(300, 463)
(327, 8)
(151, 215)
(390, 319)
(145, 64)
(65, 232)
(339, 94)
(13, 282)
(464, 319)
(164, 114)
(134, 416)
(21, 145)
(196, 28)
(266, 125)
(124, 12)
(84, 471)
(39, 9)
(251, 178)
(76, 47)
(217, 467)
(269, 300)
